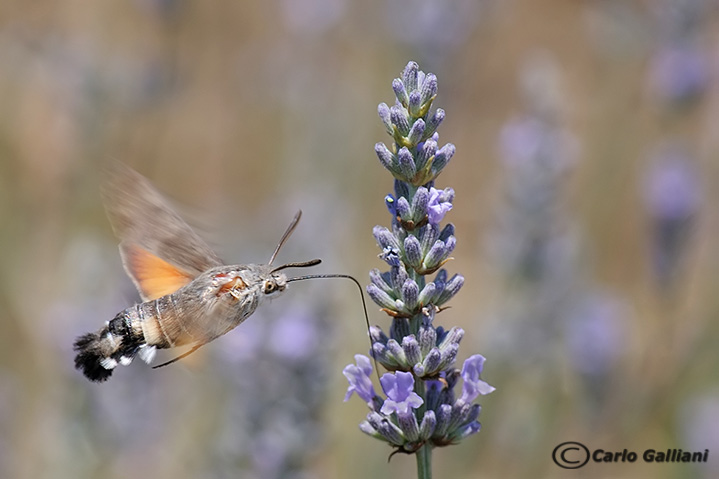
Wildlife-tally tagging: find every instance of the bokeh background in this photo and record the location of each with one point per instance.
(585, 177)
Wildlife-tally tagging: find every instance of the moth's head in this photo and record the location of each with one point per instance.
(273, 283)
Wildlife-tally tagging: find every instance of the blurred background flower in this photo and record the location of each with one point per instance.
(244, 113)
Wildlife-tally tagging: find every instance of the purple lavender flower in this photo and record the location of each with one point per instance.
(672, 197)
(473, 385)
(679, 73)
(439, 204)
(399, 388)
(359, 379)
(420, 410)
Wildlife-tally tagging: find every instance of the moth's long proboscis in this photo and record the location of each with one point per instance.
(359, 287)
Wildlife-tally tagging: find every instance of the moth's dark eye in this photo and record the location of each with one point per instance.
(269, 287)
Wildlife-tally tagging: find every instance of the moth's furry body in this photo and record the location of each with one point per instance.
(212, 304)
(189, 297)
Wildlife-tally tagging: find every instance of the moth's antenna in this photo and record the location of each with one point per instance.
(287, 234)
(359, 287)
(303, 264)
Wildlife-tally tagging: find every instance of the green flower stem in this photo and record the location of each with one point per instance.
(424, 462)
(423, 454)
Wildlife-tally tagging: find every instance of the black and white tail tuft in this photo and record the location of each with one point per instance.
(94, 356)
(99, 353)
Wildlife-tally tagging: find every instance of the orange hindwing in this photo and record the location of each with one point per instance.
(153, 276)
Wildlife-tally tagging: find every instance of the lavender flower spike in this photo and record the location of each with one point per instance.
(421, 410)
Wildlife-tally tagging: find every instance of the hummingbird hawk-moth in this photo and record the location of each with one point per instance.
(189, 296)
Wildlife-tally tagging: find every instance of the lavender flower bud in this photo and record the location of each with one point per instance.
(400, 92)
(411, 349)
(396, 351)
(468, 430)
(382, 354)
(413, 252)
(398, 276)
(400, 119)
(432, 361)
(444, 416)
(377, 335)
(403, 209)
(419, 204)
(450, 289)
(385, 238)
(409, 76)
(447, 231)
(450, 244)
(384, 114)
(381, 298)
(389, 432)
(367, 428)
(452, 337)
(433, 123)
(416, 132)
(386, 157)
(408, 424)
(406, 163)
(428, 235)
(426, 151)
(427, 339)
(437, 253)
(429, 422)
(442, 158)
(380, 280)
(460, 412)
(429, 88)
(410, 294)
(428, 294)
(449, 355)
(415, 104)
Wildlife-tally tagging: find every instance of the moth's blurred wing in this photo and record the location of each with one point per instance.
(153, 276)
(160, 251)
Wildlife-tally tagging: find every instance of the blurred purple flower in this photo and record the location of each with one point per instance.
(595, 334)
(672, 196)
(671, 189)
(399, 388)
(679, 72)
(359, 378)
